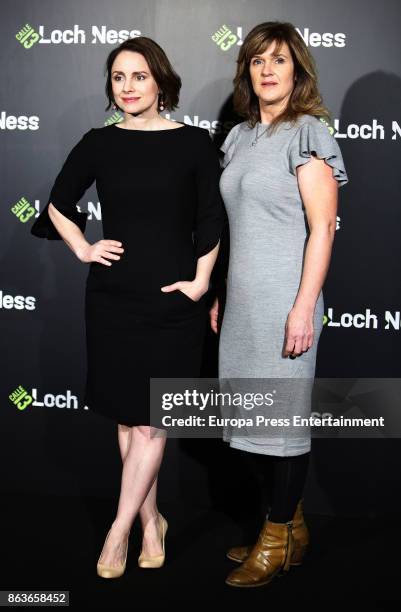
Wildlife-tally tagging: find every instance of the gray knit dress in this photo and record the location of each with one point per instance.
(268, 235)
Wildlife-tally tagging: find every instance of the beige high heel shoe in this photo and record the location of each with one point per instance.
(106, 571)
(156, 560)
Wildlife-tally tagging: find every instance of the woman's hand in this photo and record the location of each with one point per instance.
(100, 251)
(298, 332)
(214, 313)
(193, 289)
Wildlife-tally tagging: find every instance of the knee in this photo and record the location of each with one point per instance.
(146, 432)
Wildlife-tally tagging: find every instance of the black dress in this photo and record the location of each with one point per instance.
(159, 195)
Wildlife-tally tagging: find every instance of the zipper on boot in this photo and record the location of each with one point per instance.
(287, 555)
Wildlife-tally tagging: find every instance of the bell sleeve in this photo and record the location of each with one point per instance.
(209, 210)
(74, 178)
(313, 137)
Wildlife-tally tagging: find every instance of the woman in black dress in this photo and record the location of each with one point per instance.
(145, 307)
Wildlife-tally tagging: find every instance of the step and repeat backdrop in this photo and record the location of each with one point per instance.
(52, 65)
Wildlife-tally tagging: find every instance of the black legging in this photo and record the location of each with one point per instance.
(283, 481)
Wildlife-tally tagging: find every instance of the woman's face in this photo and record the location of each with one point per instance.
(272, 75)
(134, 89)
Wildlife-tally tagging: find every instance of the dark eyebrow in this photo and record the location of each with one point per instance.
(135, 72)
(273, 55)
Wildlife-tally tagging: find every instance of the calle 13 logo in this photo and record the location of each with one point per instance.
(20, 398)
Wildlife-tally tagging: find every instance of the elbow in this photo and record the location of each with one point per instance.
(326, 229)
(331, 228)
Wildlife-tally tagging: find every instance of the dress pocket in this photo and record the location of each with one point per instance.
(177, 304)
(187, 297)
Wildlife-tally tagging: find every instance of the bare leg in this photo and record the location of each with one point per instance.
(124, 439)
(149, 520)
(148, 512)
(140, 468)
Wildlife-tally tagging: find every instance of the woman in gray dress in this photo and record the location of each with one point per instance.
(282, 170)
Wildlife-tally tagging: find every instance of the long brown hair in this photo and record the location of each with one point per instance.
(162, 71)
(305, 97)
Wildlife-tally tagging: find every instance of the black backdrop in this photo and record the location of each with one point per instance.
(52, 92)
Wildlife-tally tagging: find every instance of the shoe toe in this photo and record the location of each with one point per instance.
(240, 577)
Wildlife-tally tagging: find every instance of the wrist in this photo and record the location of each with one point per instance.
(80, 248)
(303, 309)
(201, 284)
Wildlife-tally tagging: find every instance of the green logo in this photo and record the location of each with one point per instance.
(115, 118)
(20, 398)
(27, 36)
(224, 38)
(327, 124)
(23, 210)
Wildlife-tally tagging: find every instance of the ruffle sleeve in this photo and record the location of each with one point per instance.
(228, 146)
(209, 217)
(313, 137)
(74, 178)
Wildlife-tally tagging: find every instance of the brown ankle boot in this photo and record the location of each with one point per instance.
(300, 533)
(269, 557)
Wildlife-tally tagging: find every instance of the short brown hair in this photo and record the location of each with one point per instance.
(305, 97)
(162, 71)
